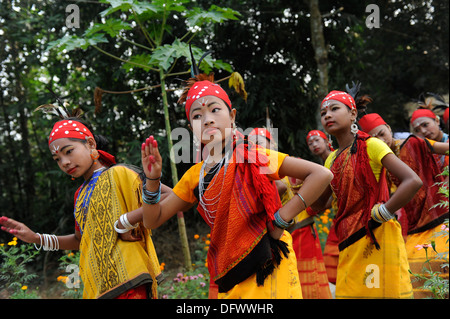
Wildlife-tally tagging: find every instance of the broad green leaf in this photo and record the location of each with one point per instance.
(73, 42)
(165, 55)
(142, 59)
(215, 14)
(139, 7)
(111, 26)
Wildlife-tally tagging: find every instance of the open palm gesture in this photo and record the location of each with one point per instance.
(151, 159)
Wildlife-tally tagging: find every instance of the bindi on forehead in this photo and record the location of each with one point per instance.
(421, 121)
(202, 102)
(55, 149)
(325, 105)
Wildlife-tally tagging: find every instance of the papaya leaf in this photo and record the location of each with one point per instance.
(72, 42)
(142, 59)
(111, 26)
(139, 7)
(197, 16)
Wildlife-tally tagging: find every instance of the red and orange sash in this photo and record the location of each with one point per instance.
(240, 245)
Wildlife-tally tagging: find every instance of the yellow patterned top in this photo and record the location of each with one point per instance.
(110, 266)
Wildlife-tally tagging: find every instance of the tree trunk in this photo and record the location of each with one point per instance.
(320, 50)
(173, 168)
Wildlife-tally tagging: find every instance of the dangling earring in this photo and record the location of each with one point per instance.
(234, 128)
(95, 155)
(72, 178)
(196, 143)
(354, 128)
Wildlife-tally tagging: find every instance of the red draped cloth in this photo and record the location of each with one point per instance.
(421, 214)
(357, 191)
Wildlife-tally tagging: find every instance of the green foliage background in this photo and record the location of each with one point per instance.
(269, 45)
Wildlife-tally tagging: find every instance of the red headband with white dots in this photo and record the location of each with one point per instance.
(69, 129)
(202, 89)
(340, 96)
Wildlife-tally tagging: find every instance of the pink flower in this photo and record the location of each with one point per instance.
(419, 247)
(202, 284)
(444, 227)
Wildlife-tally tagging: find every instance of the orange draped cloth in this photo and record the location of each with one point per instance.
(310, 263)
(246, 201)
(331, 255)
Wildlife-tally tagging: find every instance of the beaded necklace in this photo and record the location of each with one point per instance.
(204, 202)
(87, 197)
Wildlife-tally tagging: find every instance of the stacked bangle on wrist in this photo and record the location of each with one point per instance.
(125, 223)
(48, 242)
(280, 222)
(380, 213)
(150, 198)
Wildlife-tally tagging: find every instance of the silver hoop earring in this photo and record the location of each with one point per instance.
(354, 129)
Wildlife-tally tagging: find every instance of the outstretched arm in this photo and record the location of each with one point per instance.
(21, 231)
(440, 148)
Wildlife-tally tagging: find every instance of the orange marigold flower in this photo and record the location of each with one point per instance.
(196, 236)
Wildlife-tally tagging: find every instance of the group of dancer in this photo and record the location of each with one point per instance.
(259, 204)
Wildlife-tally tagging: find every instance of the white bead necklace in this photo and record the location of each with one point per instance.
(206, 203)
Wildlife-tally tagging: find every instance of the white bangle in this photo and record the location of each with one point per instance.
(120, 230)
(40, 241)
(48, 242)
(125, 223)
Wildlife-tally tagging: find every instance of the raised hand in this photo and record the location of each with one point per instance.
(151, 159)
(19, 230)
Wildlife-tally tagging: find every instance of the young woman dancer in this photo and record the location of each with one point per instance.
(109, 266)
(251, 254)
(320, 146)
(423, 217)
(426, 125)
(305, 240)
(372, 257)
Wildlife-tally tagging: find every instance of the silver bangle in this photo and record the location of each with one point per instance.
(125, 223)
(385, 214)
(40, 241)
(303, 200)
(120, 230)
(48, 242)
